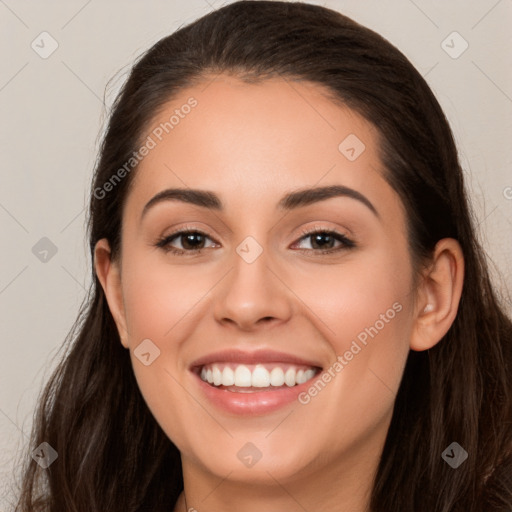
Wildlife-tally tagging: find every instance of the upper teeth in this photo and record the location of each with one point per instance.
(255, 375)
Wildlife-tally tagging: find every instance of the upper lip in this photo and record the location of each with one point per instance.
(253, 357)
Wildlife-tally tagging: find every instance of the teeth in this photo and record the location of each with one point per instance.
(256, 376)
(309, 374)
(217, 376)
(260, 377)
(277, 377)
(289, 377)
(228, 377)
(242, 376)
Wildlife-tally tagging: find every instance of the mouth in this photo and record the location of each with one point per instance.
(251, 378)
(253, 383)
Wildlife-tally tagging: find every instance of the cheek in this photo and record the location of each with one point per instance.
(159, 296)
(363, 309)
(160, 301)
(364, 313)
(365, 297)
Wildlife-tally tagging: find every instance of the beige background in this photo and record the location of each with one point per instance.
(52, 114)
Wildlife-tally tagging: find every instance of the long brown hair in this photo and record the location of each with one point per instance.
(112, 455)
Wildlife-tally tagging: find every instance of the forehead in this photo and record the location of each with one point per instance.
(252, 141)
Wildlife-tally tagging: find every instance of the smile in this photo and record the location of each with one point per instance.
(241, 382)
(247, 378)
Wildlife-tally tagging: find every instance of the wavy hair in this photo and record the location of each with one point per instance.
(112, 454)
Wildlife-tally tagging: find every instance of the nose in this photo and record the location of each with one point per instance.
(253, 294)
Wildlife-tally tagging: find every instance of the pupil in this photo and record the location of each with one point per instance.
(317, 238)
(190, 238)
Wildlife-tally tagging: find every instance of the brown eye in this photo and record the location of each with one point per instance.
(324, 241)
(191, 241)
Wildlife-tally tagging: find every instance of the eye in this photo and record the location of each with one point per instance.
(191, 241)
(323, 240)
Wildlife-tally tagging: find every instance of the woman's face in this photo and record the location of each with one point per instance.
(263, 301)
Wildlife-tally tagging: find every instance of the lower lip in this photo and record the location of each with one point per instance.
(252, 403)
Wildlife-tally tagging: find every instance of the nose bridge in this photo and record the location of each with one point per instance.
(251, 291)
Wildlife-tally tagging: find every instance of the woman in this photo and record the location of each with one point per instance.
(290, 309)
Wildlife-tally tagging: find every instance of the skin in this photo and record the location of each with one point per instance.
(251, 144)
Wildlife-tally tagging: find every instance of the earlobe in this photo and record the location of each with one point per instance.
(438, 295)
(109, 275)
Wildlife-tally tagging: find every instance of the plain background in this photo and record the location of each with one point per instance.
(52, 116)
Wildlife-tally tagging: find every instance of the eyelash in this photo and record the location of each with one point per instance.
(163, 243)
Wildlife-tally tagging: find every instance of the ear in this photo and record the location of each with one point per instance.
(438, 295)
(109, 275)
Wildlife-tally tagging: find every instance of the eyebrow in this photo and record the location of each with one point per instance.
(290, 201)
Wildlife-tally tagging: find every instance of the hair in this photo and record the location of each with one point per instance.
(112, 454)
